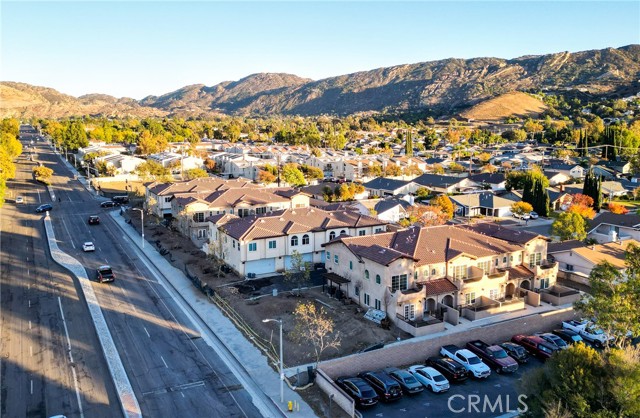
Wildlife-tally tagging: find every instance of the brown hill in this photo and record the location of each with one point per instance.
(509, 104)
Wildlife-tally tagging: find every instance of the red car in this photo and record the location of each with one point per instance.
(535, 345)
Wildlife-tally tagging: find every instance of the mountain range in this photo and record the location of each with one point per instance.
(441, 87)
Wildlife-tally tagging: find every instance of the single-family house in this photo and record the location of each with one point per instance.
(382, 186)
(610, 227)
(483, 203)
(446, 184)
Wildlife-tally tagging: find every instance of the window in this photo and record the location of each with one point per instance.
(167, 199)
(202, 233)
(238, 246)
(357, 291)
(198, 217)
(305, 239)
(343, 232)
(426, 272)
(535, 259)
(234, 244)
(335, 259)
(399, 282)
(569, 267)
(366, 274)
(433, 272)
(470, 298)
(272, 244)
(366, 299)
(544, 283)
(409, 312)
(460, 272)
(493, 294)
(328, 256)
(497, 261)
(378, 281)
(510, 258)
(294, 240)
(350, 265)
(504, 260)
(253, 246)
(332, 235)
(519, 257)
(485, 266)
(362, 233)
(378, 304)
(378, 230)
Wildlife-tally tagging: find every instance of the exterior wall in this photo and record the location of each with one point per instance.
(338, 395)
(579, 264)
(300, 201)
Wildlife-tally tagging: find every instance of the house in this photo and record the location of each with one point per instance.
(165, 159)
(573, 171)
(122, 164)
(390, 209)
(446, 184)
(576, 260)
(382, 186)
(557, 177)
(484, 203)
(610, 227)
(264, 244)
(494, 181)
(416, 273)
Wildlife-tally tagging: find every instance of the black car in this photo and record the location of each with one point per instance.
(516, 351)
(570, 337)
(451, 369)
(44, 208)
(106, 274)
(384, 385)
(359, 390)
(94, 220)
(108, 204)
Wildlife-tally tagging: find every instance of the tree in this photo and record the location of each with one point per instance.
(392, 170)
(149, 143)
(581, 199)
(569, 226)
(292, 175)
(152, 169)
(266, 177)
(313, 325)
(427, 215)
(43, 173)
(422, 193)
(408, 147)
(210, 164)
(300, 272)
(617, 208)
(437, 168)
(217, 252)
(593, 188)
(443, 202)
(520, 208)
(585, 211)
(195, 173)
(311, 172)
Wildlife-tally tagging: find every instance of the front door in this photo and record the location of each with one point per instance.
(409, 312)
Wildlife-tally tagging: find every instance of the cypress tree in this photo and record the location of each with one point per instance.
(597, 198)
(408, 149)
(593, 188)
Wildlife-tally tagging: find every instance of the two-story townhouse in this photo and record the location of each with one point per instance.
(264, 244)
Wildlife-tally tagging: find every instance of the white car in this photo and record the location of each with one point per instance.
(19, 199)
(430, 378)
(533, 215)
(88, 246)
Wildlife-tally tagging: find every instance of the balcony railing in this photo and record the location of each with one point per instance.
(421, 321)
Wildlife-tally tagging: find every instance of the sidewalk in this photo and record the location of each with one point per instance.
(240, 355)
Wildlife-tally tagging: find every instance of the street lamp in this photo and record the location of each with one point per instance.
(279, 321)
(142, 224)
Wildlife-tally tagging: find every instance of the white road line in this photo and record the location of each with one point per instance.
(182, 393)
(27, 272)
(31, 350)
(31, 387)
(73, 370)
(29, 324)
(165, 363)
(145, 330)
(39, 200)
(29, 302)
(68, 233)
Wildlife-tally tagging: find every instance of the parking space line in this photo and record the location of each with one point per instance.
(165, 363)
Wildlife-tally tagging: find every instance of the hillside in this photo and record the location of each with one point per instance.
(509, 104)
(443, 87)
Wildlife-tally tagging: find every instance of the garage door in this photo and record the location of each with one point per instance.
(267, 265)
(307, 257)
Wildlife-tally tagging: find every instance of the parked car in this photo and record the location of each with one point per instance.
(44, 208)
(516, 351)
(524, 216)
(19, 199)
(494, 356)
(451, 369)
(588, 331)
(88, 246)
(359, 390)
(569, 336)
(106, 274)
(554, 339)
(406, 380)
(470, 361)
(384, 385)
(535, 345)
(533, 215)
(430, 378)
(108, 204)
(94, 220)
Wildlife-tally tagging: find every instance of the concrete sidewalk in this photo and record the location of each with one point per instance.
(240, 355)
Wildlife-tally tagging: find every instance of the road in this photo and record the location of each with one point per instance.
(172, 370)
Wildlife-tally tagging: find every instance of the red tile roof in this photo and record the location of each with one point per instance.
(438, 286)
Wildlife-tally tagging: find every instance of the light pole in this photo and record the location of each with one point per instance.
(279, 321)
(141, 224)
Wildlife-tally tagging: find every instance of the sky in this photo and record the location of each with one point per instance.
(136, 49)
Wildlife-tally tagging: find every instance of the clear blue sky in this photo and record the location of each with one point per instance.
(136, 49)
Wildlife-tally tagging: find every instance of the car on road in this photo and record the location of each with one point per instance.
(569, 336)
(88, 246)
(516, 351)
(108, 204)
(94, 220)
(405, 379)
(19, 199)
(361, 392)
(44, 208)
(533, 215)
(430, 378)
(384, 385)
(106, 274)
(451, 369)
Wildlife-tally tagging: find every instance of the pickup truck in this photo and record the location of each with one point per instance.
(588, 331)
(470, 361)
(494, 356)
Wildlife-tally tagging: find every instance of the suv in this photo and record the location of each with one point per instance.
(44, 208)
(451, 369)
(105, 274)
(94, 220)
(386, 387)
(516, 351)
(569, 336)
(359, 390)
(537, 346)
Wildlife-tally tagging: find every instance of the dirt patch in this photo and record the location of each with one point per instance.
(120, 187)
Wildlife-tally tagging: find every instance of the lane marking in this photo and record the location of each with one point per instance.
(73, 370)
(165, 363)
(31, 350)
(31, 387)
(145, 330)
(29, 302)
(182, 393)
(68, 233)
(29, 324)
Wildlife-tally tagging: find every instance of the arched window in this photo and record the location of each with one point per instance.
(366, 274)
(332, 235)
(377, 279)
(343, 232)
(294, 240)
(305, 239)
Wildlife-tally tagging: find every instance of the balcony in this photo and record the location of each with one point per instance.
(419, 326)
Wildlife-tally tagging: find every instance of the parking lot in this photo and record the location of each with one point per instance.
(500, 390)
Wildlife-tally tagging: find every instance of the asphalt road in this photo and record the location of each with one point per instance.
(172, 370)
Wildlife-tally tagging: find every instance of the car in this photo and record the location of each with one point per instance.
(451, 369)
(468, 359)
(493, 356)
(554, 339)
(430, 378)
(44, 208)
(406, 380)
(106, 274)
(515, 351)
(533, 215)
(535, 345)
(108, 204)
(569, 336)
(19, 199)
(385, 386)
(361, 392)
(589, 332)
(88, 246)
(94, 220)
